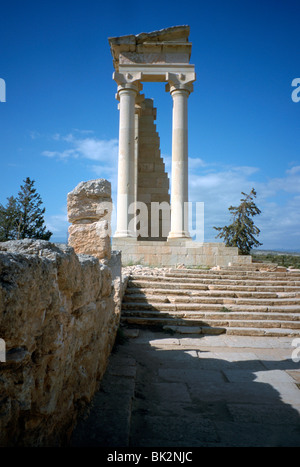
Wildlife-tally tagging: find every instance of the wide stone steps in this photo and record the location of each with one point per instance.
(192, 282)
(131, 291)
(207, 299)
(243, 301)
(215, 316)
(189, 307)
(218, 323)
(217, 286)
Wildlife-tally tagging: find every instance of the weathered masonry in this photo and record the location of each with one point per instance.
(143, 184)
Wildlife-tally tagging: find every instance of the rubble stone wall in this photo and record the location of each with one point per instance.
(59, 321)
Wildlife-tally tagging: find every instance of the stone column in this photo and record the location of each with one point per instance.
(128, 89)
(180, 91)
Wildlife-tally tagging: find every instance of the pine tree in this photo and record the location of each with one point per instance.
(8, 220)
(23, 217)
(241, 232)
(30, 223)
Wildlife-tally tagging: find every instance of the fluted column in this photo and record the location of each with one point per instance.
(180, 91)
(128, 89)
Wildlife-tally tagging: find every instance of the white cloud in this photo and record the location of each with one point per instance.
(246, 170)
(289, 183)
(98, 150)
(196, 162)
(61, 154)
(58, 224)
(293, 170)
(208, 181)
(91, 148)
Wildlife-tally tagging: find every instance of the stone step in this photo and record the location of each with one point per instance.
(214, 315)
(203, 281)
(258, 288)
(165, 282)
(256, 266)
(276, 332)
(207, 293)
(194, 287)
(245, 270)
(241, 324)
(253, 277)
(161, 322)
(162, 306)
(229, 273)
(260, 332)
(165, 298)
(206, 329)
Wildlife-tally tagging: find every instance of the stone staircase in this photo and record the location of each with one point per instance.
(253, 300)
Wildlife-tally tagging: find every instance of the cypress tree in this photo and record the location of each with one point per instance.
(242, 231)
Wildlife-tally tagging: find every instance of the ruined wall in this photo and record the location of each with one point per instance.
(89, 211)
(59, 320)
(152, 179)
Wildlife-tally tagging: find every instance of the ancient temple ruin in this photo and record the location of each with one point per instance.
(152, 225)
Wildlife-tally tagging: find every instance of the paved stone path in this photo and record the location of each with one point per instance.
(161, 390)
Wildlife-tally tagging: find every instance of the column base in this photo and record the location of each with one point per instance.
(178, 235)
(124, 234)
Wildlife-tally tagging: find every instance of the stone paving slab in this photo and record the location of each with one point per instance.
(245, 376)
(107, 420)
(189, 391)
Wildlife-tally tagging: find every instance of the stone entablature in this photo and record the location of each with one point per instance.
(167, 46)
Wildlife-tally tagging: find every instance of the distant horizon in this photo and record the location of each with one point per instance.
(279, 251)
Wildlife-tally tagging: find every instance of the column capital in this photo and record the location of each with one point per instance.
(128, 81)
(180, 81)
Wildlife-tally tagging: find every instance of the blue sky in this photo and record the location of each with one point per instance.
(59, 124)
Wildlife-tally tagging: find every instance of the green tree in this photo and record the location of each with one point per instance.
(8, 220)
(242, 231)
(23, 217)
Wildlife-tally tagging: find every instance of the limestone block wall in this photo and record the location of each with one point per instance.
(174, 252)
(58, 320)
